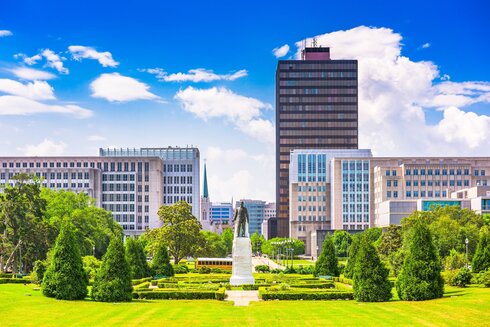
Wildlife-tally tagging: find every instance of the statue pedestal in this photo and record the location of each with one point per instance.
(242, 262)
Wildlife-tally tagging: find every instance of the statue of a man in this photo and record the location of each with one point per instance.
(241, 221)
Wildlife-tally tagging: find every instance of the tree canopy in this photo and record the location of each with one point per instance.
(327, 263)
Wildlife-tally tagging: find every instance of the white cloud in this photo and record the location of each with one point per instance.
(28, 60)
(37, 90)
(425, 45)
(194, 75)
(395, 94)
(118, 88)
(244, 112)
(45, 148)
(19, 106)
(4, 33)
(31, 74)
(54, 61)
(95, 138)
(281, 51)
(80, 52)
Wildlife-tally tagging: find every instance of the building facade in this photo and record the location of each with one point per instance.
(256, 209)
(181, 172)
(269, 212)
(131, 188)
(316, 108)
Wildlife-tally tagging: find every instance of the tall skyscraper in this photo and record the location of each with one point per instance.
(316, 108)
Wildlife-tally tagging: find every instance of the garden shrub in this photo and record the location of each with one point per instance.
(485, 278)
(181, 269)
(144, 285)
(161, 262)
(306, 270)
(65, 278)
(267, 294)
(113, 280)
(216, 271)
(262, 268)
(289, 270)
(181, 294)
(461, 278)
(39, 270)
(481, 259)
(141, 280)
(135, 255)
(371, 282)
(351, 261)
(14, 280)
(204, 270)
(420, 277)
(327, 263)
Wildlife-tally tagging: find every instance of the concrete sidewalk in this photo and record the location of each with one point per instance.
(256, 261)
(242, 298)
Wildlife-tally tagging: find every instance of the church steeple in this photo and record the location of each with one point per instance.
(205, 191)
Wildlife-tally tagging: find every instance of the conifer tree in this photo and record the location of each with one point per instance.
(371, 282)
(327, 264)
(65, 278)
(161, 261)
(135, 255)
(420, 277)
(351, 261)
(113, 280)
(481, 259)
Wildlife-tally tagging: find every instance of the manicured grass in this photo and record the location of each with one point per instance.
(23, 306)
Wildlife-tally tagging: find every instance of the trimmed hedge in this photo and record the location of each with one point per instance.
(141, 280)
(189, 286)
(142, 286)
(305, 295)
(343, 280)
(15, 281)
(181, 294)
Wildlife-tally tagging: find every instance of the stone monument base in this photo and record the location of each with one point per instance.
(242, 270)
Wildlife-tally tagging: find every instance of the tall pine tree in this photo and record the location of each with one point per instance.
(161, 261)
(65, 278)
(327, 264)
(135, 255)
(113, 280)
(420, 277)
(481, 259)
(351, 261)
(371, 282)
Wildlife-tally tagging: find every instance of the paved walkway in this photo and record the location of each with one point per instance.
(242, 298)
(266, 261)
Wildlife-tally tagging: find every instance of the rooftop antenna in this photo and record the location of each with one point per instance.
(303, 46)
(313, 43)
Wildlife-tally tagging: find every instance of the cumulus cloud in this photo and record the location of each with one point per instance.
(281, 51)
(31, 74)
(244, 112)
(118, 88)
(28, 60)
(53, 60)
(45, 148)
(425, 45)
(80, 52)
(4, 33)
(194, 75)
(11, 105)
(395, 94)
(37, 90)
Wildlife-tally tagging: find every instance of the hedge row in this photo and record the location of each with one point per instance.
(142, 286)
(189, 286)
(15, 281)
(181, 294)
(305, 295)
(141, 280)
(343, 280)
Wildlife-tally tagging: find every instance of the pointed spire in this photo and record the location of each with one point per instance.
(205, 192)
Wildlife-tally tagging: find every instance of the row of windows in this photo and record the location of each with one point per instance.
(319, 107)
(355, 177)
(326, 65)
(323, 82)
(355, 197)
(315, 91)
(312, 188)
(452, 172)
(177, 179)
(327, 117)
(311, 198)
(334, 143)
(390, 182)
(314, 124)
(63, 185)
(355, 227)
(312, 208)
(355, 165)
(319, 133)
(118, 207)
(122, 187)
(312, 218)
(452, 182)
(118, 177)
(176, 168)
(330, 99)
(355, 218)
(318, 75)
(177, 190)
(106, 166)
(430, 194)
(124, 197)
(174, 199)
(355, 187)
(352, 207)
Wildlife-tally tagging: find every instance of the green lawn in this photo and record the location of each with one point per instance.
(23, 306)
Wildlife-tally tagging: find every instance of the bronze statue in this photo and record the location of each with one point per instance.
(241, 223)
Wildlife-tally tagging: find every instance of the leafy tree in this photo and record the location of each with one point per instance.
(327, 264)
(351, 261)
(135, 255)
(180, 230)
(257, 240)
(454, 260)
(391, 241)
(420, 277)
(277, 244)
(65, 278)
(113, 280)
(227, 237)
(211, 245)
(371, 282)
(22, 229)
(341, 241)
(373, 234)
(91, 265)
(462, 278)
(481, 259)
(161, 262)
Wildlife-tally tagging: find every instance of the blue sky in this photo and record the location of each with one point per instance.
(435, 77)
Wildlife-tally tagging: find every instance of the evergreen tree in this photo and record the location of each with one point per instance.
(371, 282)
(481, 259)
(113, 280)
(161, 261)
(327, 264)
(420, 277)
(351, 262)
(65, 278)
(135, 255)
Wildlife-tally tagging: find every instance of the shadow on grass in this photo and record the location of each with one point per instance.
(453, 293)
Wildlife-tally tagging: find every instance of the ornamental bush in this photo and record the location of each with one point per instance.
(135, 255)
(65, 278)
(462, 278)
(327, 264)
(113, 280)
(371, 282)
(351, 262)
(161, 261)
(181, 269)
(420, 277)
(262, 268)
(481, 259)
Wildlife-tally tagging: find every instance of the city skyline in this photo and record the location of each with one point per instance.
(210, 84)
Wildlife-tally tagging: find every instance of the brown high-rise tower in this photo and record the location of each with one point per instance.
(316, 108)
